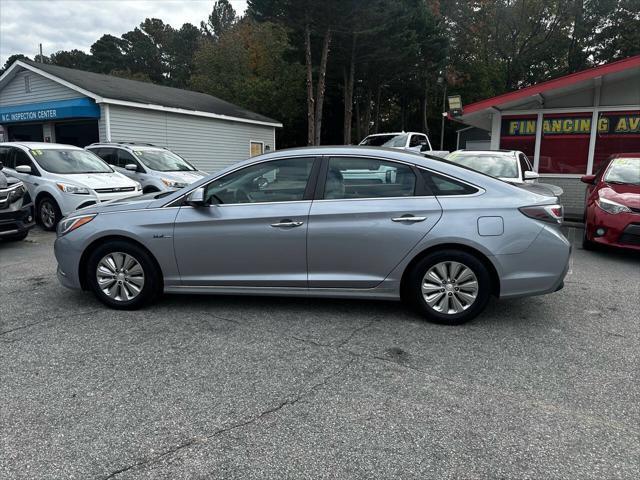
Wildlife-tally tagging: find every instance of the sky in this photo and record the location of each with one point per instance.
(69, 24)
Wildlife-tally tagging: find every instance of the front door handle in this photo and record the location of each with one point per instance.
(408, 219)
(286, 224)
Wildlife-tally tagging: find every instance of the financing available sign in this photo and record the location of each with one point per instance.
(50, 111)
(608, 124)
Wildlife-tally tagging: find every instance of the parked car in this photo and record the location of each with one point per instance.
(441, 237)
(612, 205)
(63, 178)
(16, 209)
(510, 166)
(412, 141)
(157, 169)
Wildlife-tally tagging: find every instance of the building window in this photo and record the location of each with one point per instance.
(618, 132)
(519, 133)
(564, 148)
(27, 84)
(257, 148)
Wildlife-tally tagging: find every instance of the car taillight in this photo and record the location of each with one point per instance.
(545, 213)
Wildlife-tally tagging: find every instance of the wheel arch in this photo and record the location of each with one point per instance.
(84, 258)
(493, 273)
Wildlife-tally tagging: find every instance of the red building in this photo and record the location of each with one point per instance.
(569, 125)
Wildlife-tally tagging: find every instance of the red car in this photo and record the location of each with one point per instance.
(612, 210)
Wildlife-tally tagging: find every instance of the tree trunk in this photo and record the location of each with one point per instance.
(322, 77)
(348, 94)
(367, 114)
(311, 119)
(425, 124)
(358, 122)
(377, 119)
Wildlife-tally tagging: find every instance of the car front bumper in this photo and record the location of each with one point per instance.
(14, 222)
(621, 230)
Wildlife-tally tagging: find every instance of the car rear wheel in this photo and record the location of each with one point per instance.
(450, 287)
(123, 275)
(48, 213)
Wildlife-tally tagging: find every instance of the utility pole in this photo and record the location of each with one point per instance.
(442, 80)
(41, 60)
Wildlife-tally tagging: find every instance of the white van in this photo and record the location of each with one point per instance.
(63, 178)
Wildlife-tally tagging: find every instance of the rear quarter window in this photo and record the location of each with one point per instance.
(442, 185)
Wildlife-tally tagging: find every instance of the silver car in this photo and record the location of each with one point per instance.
(300, 222)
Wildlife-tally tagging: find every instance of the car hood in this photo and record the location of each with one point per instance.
(120, 205)
(98, 180)
(626, 194)
(183, 177)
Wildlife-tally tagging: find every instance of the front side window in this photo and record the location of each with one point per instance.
(504, 166)
(368, 178)
(125, 158)
(276, 181)
(4, 156)
(417, 140)
(624, 170)
(162, 161)
(62, 161)
(385, 141)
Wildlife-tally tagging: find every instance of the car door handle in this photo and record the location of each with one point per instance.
(409, 219)
(286, 223)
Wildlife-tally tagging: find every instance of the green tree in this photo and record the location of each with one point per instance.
(71, 59)
(221, 19)
(12, 59)
(107, 54)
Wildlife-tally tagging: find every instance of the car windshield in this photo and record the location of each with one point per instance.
(163, 161)
(385, 141)
(493, 165)
(624, 170)
(67, 161)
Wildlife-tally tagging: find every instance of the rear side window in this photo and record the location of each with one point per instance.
(106, 154)
(441, 185)
(368, 178)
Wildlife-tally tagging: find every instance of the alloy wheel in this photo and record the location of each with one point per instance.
(47, 214)
(120, 276)
(449, 287)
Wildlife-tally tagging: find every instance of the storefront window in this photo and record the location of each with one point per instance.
(564, 147)
(618, 132)
(519, 133)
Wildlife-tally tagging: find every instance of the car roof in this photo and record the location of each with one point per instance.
(624, 155)
(126, 145)
(394, 133)
(39, 145)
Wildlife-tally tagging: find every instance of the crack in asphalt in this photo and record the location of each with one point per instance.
(241, 424)
(22, 327)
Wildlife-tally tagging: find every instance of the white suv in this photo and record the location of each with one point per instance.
(156, 168)
(63, 178)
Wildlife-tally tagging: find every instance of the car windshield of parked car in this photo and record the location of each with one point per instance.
(624, 170)
(492, 165)
(163, 161)
(385, 141)
(62, 161)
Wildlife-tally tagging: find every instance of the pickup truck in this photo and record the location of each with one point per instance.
(411, 141)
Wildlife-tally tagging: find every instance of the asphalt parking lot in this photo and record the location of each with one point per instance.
(230, 387)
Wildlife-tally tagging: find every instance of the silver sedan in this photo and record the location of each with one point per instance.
(352, 222)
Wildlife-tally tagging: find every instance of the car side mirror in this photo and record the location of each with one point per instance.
(529, 175)
(132, 167)
(590, 179)
(196, 197)
(23, 169)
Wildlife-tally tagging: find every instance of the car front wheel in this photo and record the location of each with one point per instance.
(49, 213)
(449, 287)
(123, 275)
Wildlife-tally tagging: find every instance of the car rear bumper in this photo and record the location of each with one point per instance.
(14, 222)
(539, 270)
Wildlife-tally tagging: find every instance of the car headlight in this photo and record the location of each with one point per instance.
(16, 192)
(612, 207)
(173, 183)
(66, 188)
(70, 224)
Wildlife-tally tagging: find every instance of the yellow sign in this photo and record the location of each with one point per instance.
(625, 123)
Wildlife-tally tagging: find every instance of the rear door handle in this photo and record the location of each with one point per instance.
(286, 223)
(409, 219)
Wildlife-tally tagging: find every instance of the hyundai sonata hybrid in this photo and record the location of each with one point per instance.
(322, 222)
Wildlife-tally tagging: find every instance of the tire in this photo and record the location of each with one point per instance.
(114, 260)
(48, 213)
(448, 305)
(16, 237)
